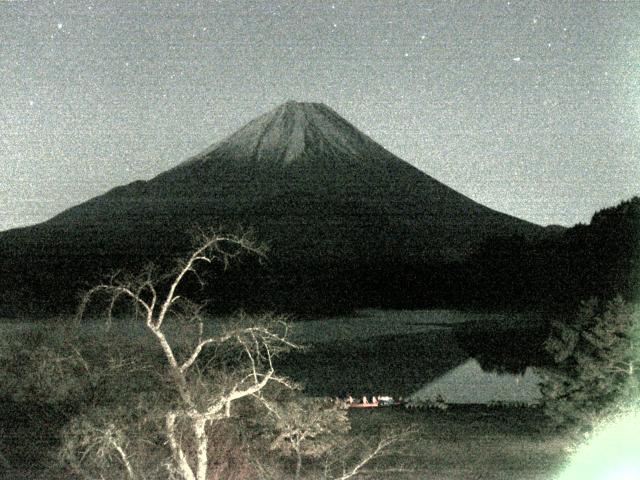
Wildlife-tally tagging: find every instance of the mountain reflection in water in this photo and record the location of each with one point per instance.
(468, 383)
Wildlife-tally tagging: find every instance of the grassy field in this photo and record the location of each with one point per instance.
(460, 443)
(468, 443)
(372, 352)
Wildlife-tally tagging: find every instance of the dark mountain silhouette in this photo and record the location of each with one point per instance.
(601, 259)
(335, 207)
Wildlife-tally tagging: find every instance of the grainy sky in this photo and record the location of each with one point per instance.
(532, 108)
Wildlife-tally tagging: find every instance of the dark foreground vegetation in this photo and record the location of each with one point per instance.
(472, 442)
(459, 443)
(68, 390)
(173, 395)
(63, 389)
(601, 260)
(553, 270)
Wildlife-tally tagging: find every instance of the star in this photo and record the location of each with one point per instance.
(433, 68)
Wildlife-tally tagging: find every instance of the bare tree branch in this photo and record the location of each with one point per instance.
(382, 446)
(123, 456)
(259, 343)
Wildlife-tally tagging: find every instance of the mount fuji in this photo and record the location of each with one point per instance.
(319, 191)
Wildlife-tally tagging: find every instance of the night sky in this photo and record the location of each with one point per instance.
(531, 108)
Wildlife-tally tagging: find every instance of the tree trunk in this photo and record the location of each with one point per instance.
(199, 428)
(298, 463)
(179, 457)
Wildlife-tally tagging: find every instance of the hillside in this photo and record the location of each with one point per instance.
(307, 181)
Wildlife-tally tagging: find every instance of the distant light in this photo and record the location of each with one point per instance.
(516, 59)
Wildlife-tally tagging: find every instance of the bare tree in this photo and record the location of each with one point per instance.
(357, 459)
(198, 405)
(317, 429)
(209, 369)
(307, 427)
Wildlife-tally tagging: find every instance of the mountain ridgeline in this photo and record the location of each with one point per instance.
(349, 224)
(313, 186)
(601, 259)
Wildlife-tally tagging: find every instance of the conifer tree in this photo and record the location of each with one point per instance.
(596, 359)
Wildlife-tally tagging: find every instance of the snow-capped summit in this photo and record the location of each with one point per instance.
(293, 131)
(286, 133)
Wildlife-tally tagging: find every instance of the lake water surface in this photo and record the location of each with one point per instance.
(394, 352)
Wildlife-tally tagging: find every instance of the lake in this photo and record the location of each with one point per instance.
(414, 354)
(386, 352)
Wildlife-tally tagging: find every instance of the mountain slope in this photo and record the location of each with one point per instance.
(298, 165)
(318, 190)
